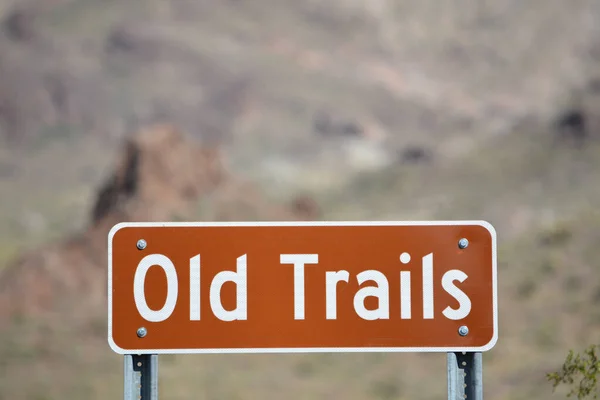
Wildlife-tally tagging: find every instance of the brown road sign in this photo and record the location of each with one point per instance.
(302, 287)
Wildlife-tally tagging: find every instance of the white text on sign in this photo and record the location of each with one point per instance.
(300, 262)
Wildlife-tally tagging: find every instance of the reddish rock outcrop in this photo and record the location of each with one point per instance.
(161, 175)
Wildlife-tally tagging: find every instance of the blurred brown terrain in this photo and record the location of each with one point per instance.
(291, 110)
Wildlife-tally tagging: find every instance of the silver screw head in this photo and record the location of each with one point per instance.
(463, 331)
(463, 243)
(141, 244)
(141, 332)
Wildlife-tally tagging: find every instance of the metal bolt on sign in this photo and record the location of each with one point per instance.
(141, 244)
(463, 330)
(141, 332)
(463, 243)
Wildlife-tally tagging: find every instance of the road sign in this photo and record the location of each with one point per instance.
(274, 287)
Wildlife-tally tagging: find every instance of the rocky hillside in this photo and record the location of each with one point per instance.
(347, 110)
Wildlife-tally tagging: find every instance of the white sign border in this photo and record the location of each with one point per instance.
(484, 348)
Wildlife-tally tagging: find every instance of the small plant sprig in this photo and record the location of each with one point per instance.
(580, 372)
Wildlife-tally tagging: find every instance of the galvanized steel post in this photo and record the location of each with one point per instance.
(140, 377)
(465, 376)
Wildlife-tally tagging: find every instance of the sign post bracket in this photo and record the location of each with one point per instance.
(140, 377)
(465, 376)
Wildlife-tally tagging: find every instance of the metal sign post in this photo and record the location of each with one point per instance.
(465, 376)
(140, 377)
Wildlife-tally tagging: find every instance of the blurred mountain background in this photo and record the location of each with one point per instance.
(277, 110)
